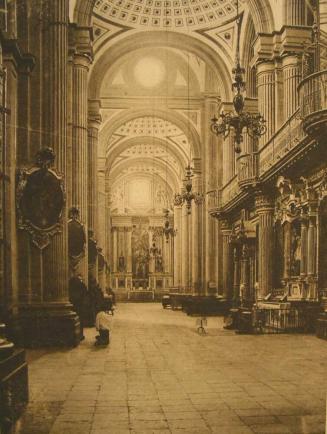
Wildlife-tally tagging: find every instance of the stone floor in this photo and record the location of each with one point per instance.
(159, 376)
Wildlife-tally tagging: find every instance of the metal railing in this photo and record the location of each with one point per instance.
(285, 139)
(313, 94)
(280, 321)
(229, 191)
(247, 168)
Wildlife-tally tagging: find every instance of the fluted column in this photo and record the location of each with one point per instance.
(265, 210)
(94, 122)
(294, 12)
(304, 246)
(80, 165)
(114, 251)
(177, 245)
(227, 261)
(236, 276)
(245, 276)
(195, 247)
(291, 66)
(129, 249)
(323, 15)
(287, 250)
(185, 248)
(266, 96)
(312, 243)
(55, 44)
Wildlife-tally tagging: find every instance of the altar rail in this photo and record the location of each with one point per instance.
(283, 321)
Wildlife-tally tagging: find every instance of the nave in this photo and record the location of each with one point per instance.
(159, 376)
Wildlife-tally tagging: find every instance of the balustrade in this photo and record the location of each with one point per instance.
(313, 101)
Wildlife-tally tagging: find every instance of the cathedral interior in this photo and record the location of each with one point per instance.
(169, 156)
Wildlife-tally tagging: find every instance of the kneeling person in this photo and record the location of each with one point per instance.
(103, 323)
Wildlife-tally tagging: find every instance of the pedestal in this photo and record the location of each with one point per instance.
(46, 324)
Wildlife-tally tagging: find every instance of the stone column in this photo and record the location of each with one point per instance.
(265, 210)
(177, 245)
(114, 250)
(291, 66)
(312, 243)
(129, 249)
(287, 251)
(48, 318)
(294, 12)
(266, 96)
(304, 246)
(55, 258)
(323, 15)
(227, 261)
(236, 276)
(185, 256)
(94, 121)
(80, 182)
(245, 277)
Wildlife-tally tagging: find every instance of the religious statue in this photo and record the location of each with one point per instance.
(158, 263)
(121, 263)
(295, 253)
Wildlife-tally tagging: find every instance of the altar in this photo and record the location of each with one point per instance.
(140, 295)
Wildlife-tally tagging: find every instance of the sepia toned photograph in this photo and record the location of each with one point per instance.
(163, 216)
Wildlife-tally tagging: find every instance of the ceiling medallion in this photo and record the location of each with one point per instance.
(253, 124)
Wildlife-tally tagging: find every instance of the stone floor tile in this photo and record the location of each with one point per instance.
(275, 428)
(157, 375)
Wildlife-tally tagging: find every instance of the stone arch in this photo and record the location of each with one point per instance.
(81, 11)
(262, 15)
(148, 39)
(175, 118)
(172, 179)
(128, 143)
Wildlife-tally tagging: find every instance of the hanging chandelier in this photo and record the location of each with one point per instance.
(253, 124)
(168, 231)
(188, 195)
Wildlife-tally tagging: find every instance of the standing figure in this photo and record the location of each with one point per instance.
(77, 296)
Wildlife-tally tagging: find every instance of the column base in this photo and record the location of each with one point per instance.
(46, 324)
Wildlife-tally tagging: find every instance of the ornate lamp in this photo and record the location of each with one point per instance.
(168, 231)
(188, 196)
(253, 124)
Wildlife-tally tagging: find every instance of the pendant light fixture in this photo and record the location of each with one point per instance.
(253, 124)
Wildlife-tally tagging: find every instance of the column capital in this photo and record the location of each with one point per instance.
(81, 39)
(225, 225)
(293, 39)
(264, 203)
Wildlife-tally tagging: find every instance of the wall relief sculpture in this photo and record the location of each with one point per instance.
(76, 238)
(40, 199)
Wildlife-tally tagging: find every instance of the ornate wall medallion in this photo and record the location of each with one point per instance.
(40, 199)
(76, 238)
